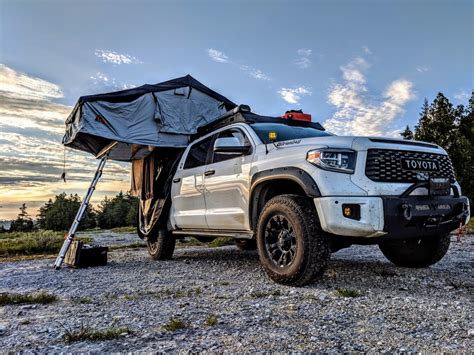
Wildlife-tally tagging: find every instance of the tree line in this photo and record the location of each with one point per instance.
(58, 214)
(451, 127)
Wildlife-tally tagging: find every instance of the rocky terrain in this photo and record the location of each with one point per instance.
(219, 299)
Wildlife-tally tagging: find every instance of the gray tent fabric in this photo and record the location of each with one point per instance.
(161, 115)
(174, 104)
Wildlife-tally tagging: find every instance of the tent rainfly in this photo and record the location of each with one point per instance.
(128, 125)
(161, 115)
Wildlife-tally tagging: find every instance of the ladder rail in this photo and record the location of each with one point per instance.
(82, 209)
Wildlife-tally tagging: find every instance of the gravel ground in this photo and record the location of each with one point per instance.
(427, 310)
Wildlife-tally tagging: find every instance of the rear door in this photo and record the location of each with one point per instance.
(227, 186)
(189, 208)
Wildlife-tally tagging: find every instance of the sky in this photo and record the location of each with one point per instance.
(359, 67)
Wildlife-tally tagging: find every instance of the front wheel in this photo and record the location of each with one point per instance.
(161, 246)
(291, 246)
(416, 252)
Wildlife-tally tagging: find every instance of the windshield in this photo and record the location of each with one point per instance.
(285, 132)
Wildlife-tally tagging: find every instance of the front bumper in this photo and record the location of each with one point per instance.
(393, 216)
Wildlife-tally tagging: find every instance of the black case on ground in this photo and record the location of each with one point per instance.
(80, 255)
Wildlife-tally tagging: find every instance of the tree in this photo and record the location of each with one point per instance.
(421, 129)
(23, 223)
(453, 129)
(119, 211)
(59, 215)
(407, 133)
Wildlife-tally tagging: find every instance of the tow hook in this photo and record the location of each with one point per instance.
(407, 213)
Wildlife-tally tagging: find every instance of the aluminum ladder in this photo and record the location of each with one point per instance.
(85, 203)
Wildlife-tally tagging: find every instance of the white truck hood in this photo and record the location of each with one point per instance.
(359, 143)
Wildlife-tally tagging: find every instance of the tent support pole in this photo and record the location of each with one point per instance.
(82, 209)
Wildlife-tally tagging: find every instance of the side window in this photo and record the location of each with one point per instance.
(237, 133)
(197, 154)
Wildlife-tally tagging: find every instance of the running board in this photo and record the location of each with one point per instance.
(214, 233)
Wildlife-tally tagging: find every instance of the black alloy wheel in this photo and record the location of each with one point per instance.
(280, 240)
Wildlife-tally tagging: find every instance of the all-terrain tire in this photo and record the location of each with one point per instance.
(416, 252)
(311, 244)
(246, 244)
(161, 245)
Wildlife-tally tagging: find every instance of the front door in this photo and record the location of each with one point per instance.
(189, 208)
(227, 185)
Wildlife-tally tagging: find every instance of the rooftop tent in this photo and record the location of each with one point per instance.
(161, 115)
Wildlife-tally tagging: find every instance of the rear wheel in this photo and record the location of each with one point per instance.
(416, 252)
(246, 244)
(291, 246)
(161, 245)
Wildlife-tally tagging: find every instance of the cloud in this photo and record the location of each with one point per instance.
(116, 58)
(353, 72)
(462, 96)
(422, 69)
(293, 95)
(31, 153)
(220, 57)
(217, 55)
(304, 52)
(108, 83)
(253, 72)
(304, 60)
(14, 84)
(360, 113)
(366, 50)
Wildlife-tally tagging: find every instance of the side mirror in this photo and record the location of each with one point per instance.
(230, 145)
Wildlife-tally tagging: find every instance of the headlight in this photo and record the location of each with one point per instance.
(341, 160)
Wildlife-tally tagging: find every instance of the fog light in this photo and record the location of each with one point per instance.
(351, 211)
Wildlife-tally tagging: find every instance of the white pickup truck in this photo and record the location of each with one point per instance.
(296, 193)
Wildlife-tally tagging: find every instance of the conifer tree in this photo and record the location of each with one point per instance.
(407, 133)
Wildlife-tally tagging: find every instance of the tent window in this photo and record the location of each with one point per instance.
(197, 154)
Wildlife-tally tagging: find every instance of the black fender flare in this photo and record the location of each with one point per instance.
(300, 176)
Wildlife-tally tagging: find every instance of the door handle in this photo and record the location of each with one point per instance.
(176, 180)
(209, 172)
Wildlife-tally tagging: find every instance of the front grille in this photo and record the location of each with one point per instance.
(385, 165)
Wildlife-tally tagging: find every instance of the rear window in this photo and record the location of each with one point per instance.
(285, 132)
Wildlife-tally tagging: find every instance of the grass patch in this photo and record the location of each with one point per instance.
(220, 242)
(211, 321)
(347, 292)
(83, 300)
(32, 243)
(469, 227)
(175, 324)
(132, 297)
(86, 333)
(128, 229)
(31, 298)
(128, 246)
(261, 294)
(189, 242)
(470, 224)
(177, 293)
